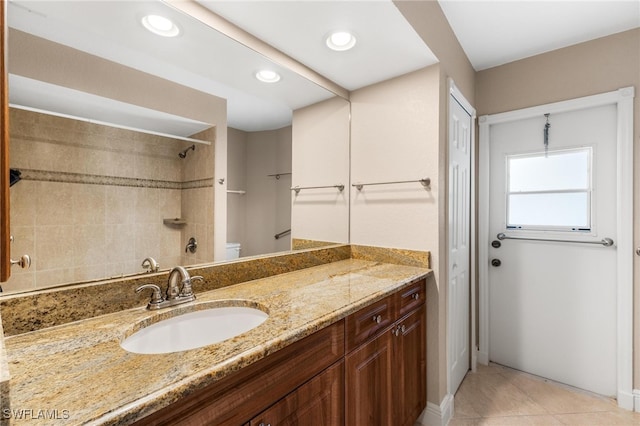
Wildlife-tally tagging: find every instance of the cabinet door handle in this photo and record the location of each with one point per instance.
(262, 424)
(415, 296)
(377, 319)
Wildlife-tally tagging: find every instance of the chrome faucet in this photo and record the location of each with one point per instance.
(177, 276)
(175, 294)
(150, 265)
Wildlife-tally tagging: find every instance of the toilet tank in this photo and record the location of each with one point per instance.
(233, 251)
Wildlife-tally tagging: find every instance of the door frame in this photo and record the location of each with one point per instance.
(623, 99)
(455, 93)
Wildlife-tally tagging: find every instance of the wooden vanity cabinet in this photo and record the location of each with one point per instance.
(385, 376)
(380, 379)
(236, 399)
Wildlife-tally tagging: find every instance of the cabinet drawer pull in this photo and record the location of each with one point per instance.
(415, 296)
(400, 329)
(262, 424)
(377, 319)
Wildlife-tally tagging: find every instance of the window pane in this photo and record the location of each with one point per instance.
(557, 171)
(568, 209)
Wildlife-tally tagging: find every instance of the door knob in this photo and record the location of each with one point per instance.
(638, 251)
(496, 262)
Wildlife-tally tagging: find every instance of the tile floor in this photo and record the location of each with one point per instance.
(496, 395)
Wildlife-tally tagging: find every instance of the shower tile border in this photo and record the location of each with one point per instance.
(89, 179)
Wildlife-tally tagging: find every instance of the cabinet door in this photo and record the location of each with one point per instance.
(320, 401)
(410, 384)
(368, 383)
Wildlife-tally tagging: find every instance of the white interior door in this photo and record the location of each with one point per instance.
(552, 305)
(460, 123)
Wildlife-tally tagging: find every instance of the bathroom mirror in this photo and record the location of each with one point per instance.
(95, 199)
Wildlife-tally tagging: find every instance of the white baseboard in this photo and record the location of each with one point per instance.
(636, 400)
(435, 415)
(483, 358)
(627, 400)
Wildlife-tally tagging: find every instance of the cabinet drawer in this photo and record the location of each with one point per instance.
(411, 297)
(368, 321)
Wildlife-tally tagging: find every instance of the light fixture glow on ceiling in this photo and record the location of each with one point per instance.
(160, 25)
(341, 41)
(268, 76)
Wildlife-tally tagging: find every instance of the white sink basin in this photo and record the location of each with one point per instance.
(194, 330)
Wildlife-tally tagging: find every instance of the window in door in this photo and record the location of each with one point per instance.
(550, 191)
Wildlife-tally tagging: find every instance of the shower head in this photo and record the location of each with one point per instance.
(183, 153)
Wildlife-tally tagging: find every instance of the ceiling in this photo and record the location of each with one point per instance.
(387, 46)
(490, 32)
(203, 59)
(493, 33)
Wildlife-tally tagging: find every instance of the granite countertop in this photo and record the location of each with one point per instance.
(77, 373)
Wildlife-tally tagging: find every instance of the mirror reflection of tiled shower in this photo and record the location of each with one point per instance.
(86, 209)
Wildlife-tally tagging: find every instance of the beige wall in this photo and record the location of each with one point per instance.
(320, 157)
(394, 137)
(589, 68)
(597, 66)
(269, 199)
(265, 209)
(236, 181)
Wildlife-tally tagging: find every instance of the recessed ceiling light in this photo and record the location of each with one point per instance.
(268, 76)
(341, 41)
(160, 25)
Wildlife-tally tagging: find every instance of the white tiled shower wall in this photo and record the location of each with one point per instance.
(93, 199)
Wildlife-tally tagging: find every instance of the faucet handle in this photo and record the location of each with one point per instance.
(187, 290)
(156, 297)
(150, 264)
